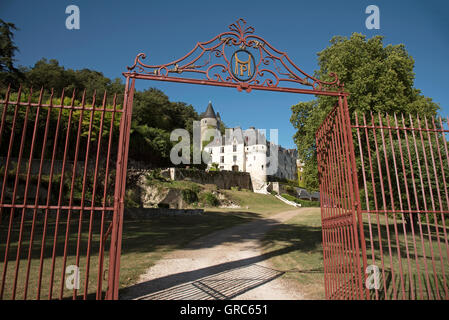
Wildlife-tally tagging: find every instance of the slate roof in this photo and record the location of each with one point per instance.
(209, 113)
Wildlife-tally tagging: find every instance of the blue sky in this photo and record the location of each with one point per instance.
(113, 32)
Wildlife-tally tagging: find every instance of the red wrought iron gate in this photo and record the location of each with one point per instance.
(62, 177)
(343, 243)
(384, 205)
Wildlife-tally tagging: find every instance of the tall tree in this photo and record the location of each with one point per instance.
(48, 74)
(379, 78)
(8, 72)
(154, 117)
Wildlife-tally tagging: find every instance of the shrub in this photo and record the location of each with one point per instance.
(289, 197)
(308, 203)
(214, 167)
(131, 199)
(189, 195)
(290, 190)
(154, 175)
(195, 188)
(210, 199)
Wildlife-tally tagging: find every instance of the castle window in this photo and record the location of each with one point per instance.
(222, 149)
(234, 158)
(262, 166)
(221, 159)
(234, 148)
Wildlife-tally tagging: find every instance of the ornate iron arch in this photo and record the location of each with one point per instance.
(219, 62)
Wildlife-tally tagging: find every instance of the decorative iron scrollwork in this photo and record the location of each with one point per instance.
(217, 60)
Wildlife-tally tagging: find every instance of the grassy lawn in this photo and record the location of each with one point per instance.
(301, 238)
(411, 252)
(258, 203)
(144, 243)
(47, 256)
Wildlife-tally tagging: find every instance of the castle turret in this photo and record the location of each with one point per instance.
(208, 121)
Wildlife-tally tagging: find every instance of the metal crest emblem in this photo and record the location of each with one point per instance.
(243, 65)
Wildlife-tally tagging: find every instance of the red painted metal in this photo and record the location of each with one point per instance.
(51, 198)
(388, 188)
(343, 243)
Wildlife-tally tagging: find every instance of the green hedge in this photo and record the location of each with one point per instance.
(303, 203)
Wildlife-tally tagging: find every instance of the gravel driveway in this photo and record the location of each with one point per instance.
(227, 264)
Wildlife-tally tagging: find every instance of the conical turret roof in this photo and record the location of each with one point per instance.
(209, 113)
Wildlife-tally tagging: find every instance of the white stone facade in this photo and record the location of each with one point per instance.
(248, 151)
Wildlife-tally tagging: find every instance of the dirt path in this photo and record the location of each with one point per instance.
(227, 264)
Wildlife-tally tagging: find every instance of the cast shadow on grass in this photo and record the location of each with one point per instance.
(154, 233)
(420, 235)
(425, 292)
